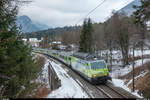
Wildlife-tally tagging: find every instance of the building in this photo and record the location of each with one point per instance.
(34, 42)
(24, 39)
(148, 26)
(56, 42)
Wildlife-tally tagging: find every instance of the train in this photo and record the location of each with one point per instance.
(90, 67)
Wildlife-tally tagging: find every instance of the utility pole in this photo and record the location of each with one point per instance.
(133, 68)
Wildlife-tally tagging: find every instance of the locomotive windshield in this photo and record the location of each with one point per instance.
(98, 65)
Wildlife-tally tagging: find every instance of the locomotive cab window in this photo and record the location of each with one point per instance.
(98, 65)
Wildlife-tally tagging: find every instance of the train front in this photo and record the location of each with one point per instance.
(99, 71)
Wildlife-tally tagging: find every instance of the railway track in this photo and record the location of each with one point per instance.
(122, 95)
(109, 92)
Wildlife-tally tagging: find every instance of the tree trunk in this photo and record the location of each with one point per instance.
(110, 59)
(142, 48)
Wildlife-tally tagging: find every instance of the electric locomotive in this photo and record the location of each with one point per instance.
(93, 68)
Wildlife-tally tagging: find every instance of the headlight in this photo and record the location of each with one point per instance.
(94, 75)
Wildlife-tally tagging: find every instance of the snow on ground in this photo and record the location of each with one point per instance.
(43, 78)
(139, 52)
(141, 75)
(69, 87)
(120, 71)
(45, 72)
(116, 54)
(120, 83)
(117, 70)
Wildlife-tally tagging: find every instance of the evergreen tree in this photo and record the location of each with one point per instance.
(82, 37)
(17, 68)
(89, 35)
(86, 36)
(142, 16)
(142, 13)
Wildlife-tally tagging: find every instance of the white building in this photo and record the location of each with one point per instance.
(24, 39)
(148, 25)
(56, 42)
(34, 42)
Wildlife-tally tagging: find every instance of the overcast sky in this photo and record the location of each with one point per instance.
(59, 13)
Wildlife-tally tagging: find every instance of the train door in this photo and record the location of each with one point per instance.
(68, 60)
(65, 57)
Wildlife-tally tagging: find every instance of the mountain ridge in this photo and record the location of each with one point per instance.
(28, 25)
(128, 9)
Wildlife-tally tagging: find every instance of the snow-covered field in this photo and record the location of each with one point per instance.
(116, 54)
(117, 70)
(69, 87)
(120, 71)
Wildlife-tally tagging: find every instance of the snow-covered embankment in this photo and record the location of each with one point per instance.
(69, 87)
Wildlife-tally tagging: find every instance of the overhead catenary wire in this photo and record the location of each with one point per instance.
(91, 11)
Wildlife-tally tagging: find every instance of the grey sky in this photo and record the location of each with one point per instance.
(58, 13)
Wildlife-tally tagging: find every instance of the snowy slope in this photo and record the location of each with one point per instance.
(129, 8)
(69, 87)
(120, 83)
(118, 71)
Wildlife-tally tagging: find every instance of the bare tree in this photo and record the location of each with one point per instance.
(98, 37)
(69, 37)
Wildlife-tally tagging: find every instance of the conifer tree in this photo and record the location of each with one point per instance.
(17, 68)
(142, 13)
(89, 35)
(86, 36)
(142, 16)
(82, 38)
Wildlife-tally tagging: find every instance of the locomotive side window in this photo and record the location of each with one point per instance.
(69, 58)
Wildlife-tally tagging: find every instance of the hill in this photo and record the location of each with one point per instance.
(129, 8)
(28, 25)
(52, 31)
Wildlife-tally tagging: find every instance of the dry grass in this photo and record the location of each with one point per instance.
(40, 61)
(130, 59)
(42, 92)
(143, 85)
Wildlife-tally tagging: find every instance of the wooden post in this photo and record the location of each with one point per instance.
(133, 69)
